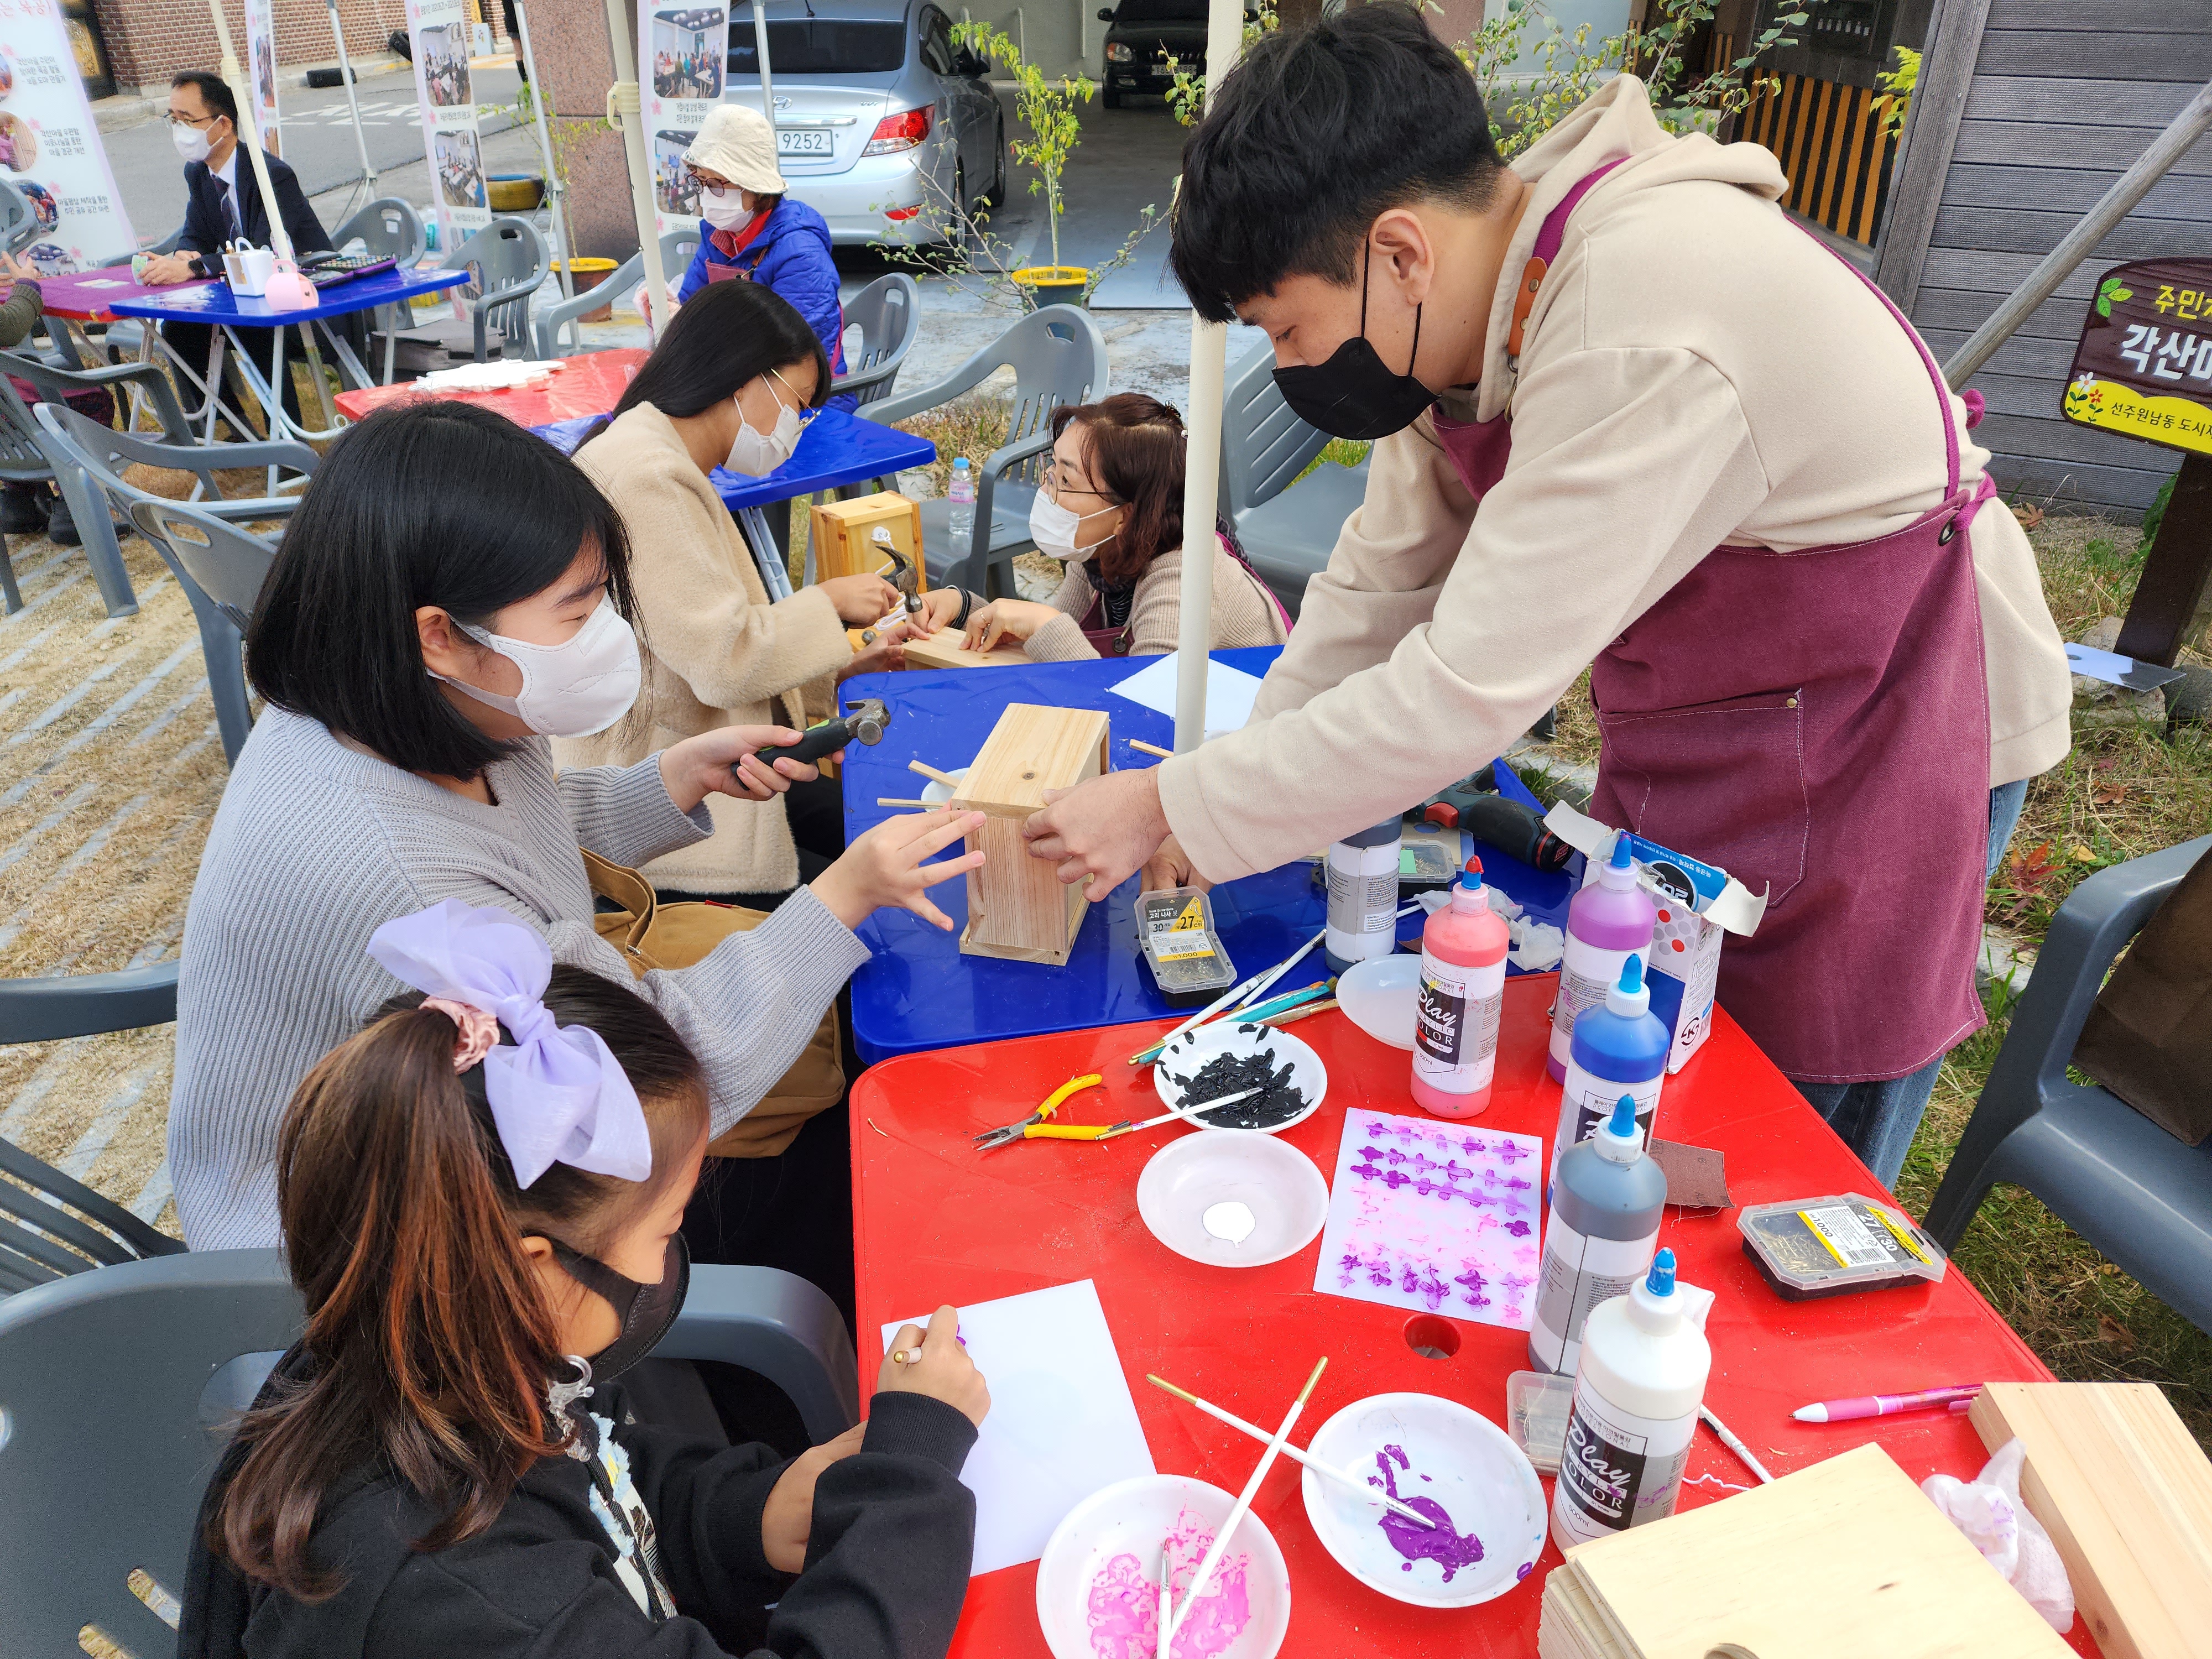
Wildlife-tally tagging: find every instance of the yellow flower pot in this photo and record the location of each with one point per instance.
(1054, 285)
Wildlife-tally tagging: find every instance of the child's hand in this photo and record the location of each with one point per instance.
(787, 1518)
(884, 866)
(943, 1372)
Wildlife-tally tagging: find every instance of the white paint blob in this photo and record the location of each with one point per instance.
(1232, 1221)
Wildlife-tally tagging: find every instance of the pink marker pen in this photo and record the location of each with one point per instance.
(1957, 1396)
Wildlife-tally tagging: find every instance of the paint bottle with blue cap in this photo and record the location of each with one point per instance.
(1638, 1386)
(1607, 1201)
(1611, 917)
(1619, 1047)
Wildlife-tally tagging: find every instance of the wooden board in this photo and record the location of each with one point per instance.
(845, 542)
(1845, 1558)
(1018, 907)
(2126, 1495)
(943, 649)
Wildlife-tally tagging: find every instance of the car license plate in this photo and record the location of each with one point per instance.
(803, 144)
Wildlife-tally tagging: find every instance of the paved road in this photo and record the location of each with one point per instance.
(317, 141)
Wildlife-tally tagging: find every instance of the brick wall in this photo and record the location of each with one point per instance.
(149, 40)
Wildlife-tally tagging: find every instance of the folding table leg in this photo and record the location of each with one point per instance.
(753, 523)
(315, 374)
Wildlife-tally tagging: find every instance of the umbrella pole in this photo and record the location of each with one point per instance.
(353, 100)
(1209, 350)
(554, 189)
(627, 111)
(760, 56)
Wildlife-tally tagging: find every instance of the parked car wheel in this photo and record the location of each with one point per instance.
(1111, 98)
(995, 198)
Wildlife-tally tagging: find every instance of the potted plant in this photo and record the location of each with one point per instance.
(1047, 108)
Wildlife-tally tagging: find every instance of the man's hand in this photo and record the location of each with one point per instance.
(788, 1518)
(168, 270)
(1171, 867)
(1102, 831)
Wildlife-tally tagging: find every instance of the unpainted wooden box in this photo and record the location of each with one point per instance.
(943, 649)
(1018, 907)
(846, 542)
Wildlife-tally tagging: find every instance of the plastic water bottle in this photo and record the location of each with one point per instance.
(1618, 1051)
(960, 524)
(1363, 896)
(1606, 1198)
(1463, 991)
(1609, 918)
(1637, 1387)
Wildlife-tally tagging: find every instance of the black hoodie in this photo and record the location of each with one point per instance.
(886, 1565)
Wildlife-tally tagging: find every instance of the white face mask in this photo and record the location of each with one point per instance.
(192, 142)
(756, 454)
(1053, 528)
(725, 211)
(572, 689)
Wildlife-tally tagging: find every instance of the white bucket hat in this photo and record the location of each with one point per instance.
(735, 141)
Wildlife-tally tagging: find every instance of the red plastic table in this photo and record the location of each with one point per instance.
(591, 384)
(938, 1221)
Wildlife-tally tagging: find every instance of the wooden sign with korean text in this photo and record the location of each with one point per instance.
(2144, 366)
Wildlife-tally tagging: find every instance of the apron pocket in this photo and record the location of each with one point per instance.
(1722, 781)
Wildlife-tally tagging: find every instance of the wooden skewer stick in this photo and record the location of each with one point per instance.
(1152, 749)
(1327, 1471)
(932, 773)
(1241, 1508)
(893, 800)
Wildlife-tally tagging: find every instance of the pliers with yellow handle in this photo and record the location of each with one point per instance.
(1036, 1126)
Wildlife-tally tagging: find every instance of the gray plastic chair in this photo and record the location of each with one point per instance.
(889, 312)
(2133, 1191)
(50, 1224)
(507, 262)
(387, 226)
(1058, 356)
(118, 1386)
(1288, 529)
(221, 569)
(24, 459)
(19, 221)
(677, 247)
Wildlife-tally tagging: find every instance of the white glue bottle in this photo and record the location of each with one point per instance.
(1609, 918)
(1363, 896)
(1637, 1392)
(1608, 1196)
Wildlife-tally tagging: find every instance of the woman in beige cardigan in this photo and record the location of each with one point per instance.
(726, 387)
(1112, 508)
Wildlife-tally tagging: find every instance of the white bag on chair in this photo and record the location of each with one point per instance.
(1989, 1510)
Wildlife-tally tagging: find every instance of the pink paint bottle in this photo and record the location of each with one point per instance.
(1462, 990)
(1610, 919)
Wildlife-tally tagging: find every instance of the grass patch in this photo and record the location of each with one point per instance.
(974, 426)
(1342, 452)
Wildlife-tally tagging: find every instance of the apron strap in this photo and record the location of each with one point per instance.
(1549, 235)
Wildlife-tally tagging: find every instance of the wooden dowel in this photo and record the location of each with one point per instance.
(1152, 749)
(932, 773)
(892, 800)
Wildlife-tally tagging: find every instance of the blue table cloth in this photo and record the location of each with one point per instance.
(835, 448)
(916, 991)
(214, 302)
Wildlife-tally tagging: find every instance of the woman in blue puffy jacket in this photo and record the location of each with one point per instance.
(751, 230)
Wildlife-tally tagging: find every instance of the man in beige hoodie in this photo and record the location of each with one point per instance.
(1629, 416)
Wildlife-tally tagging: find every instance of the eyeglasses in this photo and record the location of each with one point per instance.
(1056, 486)
(691, 177)
(177, 120)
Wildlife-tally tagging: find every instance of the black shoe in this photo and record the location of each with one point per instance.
(61, 528)
(22, 512)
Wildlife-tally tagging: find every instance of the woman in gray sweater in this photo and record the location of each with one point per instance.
(452, 592)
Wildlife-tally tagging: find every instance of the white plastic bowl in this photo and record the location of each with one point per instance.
(1379, 994)
(1199, 1192)
(937, 793)
(1189, 1054)
(1454, 1457)
(1097, 1587)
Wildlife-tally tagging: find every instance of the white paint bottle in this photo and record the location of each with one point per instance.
(1363, 896)
(1637, 1387)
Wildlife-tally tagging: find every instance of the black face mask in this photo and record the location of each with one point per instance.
(645, 1310)
(1353, 395)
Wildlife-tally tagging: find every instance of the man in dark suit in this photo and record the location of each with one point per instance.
(224, 203)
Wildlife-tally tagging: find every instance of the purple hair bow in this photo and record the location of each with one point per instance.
(557, 1094)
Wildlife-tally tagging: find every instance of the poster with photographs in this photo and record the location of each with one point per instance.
(439, 31)
(261, 52)
(50, 148)
(684, 52)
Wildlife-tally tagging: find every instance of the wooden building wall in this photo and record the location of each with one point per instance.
(2026, 113)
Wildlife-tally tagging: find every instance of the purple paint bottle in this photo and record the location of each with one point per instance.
(1608, 920)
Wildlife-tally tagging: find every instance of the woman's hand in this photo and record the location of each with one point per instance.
(887, 650)
(722, 762)
(17, 269)
(943, 1372)
(861, 601)
(1003, 621)
(939, 607)
(884, 866)
(787, 1518)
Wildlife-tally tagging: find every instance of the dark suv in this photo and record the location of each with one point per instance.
(1149, 40)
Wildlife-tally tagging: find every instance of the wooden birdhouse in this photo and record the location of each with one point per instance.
(861, 537)
(1018, 907)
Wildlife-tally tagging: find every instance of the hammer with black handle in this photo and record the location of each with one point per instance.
(863, 722)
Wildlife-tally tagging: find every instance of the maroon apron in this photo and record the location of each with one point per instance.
(1817, 724)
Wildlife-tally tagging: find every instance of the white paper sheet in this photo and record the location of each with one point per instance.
(2116, 670)
(1062, 1424)
(1229, 692)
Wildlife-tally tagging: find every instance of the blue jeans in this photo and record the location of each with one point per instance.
(1878, 1120)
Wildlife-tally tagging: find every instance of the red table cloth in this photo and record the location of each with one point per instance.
(588, 385)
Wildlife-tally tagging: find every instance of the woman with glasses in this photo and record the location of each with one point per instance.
(1111, 507)
(751, 231)
(735, 376)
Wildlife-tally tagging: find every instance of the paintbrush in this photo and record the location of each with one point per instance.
(932, 773)
(1167, 1603)
(1729, 1439)
(1241, 1507)
(1257, 1014)
(1194, 1113)
(1343, 1477)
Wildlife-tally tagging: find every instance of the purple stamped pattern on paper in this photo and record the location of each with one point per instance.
(1432, 1219)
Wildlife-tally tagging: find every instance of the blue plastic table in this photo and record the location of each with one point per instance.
(916, 991)
(213, 304)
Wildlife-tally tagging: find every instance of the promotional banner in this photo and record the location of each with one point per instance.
(49, 147)
(682, 53)
(439, 31)
(261, 53)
